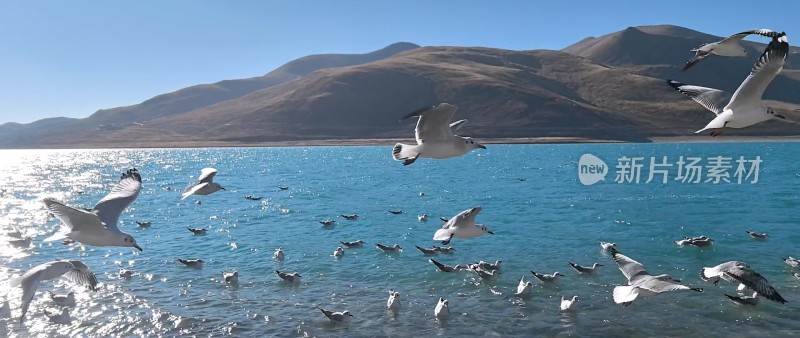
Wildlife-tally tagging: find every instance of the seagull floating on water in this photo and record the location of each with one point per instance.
(30, 280)
(745, 108)
(278, 255)
(547, 278)
(524, 287)
(585, 270)
(337, 316)
(427, 251)
(327, 222)
(568, 304)
(289, 277)
(253, 198)
(63, 300)
(393, 303)
(791, 261)
(738, 272)
(339, 252)
(231, 277)
(445, 267)
(442, 308)
(757, 235)
(461, 226)
(444, 249)
(98, 227)
(393, 248)
(351, 217)
(144, 224)
(730, 46)
(205, 184)
(395, 212)
(699, 241)
(422, 218)
(197, 231)
(640, 282)
(62, 317)
(193, 263)
(354, 244)
(434, 136)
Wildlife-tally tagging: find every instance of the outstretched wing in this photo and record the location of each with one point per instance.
(74, 219)
(122, 195)
(629, 267)
(81, 275)
(763, 32)
(207, 175)
(433, 123)
(764, 71)
(713, 99)
(190, 190)
(755, 281)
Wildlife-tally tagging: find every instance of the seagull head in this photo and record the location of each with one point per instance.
(127, 240)
(471, 143)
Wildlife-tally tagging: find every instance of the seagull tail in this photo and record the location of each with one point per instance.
(405, 152)
(625, 294)
(442, 234)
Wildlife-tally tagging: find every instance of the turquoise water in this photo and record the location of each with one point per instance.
(540, 223)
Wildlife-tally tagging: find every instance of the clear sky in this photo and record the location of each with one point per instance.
(71, 58)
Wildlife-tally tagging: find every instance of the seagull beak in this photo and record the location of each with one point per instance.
(480, 146)
(489, 232)
(138, 247)
(222, 188)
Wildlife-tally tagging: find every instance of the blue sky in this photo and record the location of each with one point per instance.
(71, 58)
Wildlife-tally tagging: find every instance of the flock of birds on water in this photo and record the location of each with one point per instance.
(435, 138)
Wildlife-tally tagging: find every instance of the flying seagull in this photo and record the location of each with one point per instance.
(730, 46)
(30, 280)
(745, 108)
(205, 184)
(738, 272)
(98, 226)
(461, 226)
(435, 138)
(640, 282)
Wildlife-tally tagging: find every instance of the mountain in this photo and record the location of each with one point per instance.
(609, 88)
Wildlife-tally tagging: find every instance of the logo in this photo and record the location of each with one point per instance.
(591, 169)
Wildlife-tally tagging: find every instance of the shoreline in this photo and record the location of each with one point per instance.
(392, 141)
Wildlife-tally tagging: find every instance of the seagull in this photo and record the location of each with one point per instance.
(444, 249)
(59, 318)
(427, 251)
(337, 316)
(585, 270)
(327, 222)
(442, 308)
(757, 235)
(339, 252)
(607, 246)
(484, 274)
(524, 287)
(144, 224)
(278, 255)
(30, 280)
(700, 241)
(253, 198)
(355, 244)
(547, 278)
(490, 266)
(730, 46)
(393, 303)
(283, 187)
(393, 248)
(422, 218)
(63, 300)
(446, 268)
(640, 282)
(194, 263)
(124, 273)
(461, 226)
(352, 217)
(231, 277)
(204, 185)
(745, 107)
(796, 275)
(738, 272)
(791, 261)
(395, 212)
(744, 300)
(197, 231)
(568, 304)
(289, 277)
(98, 227)
(435, 138)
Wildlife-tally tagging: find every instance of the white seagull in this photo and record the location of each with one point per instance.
(738, 272)
(585, 270)
(278, 255)
(524, 287)
(730, 46)
(607, 246)
(791, 261)
(386, 248)
(640, 282)
(442, 308)
(339, 252)
(745, 108)
(204, 185)
(31, 279)
(461, 226)
(59, 318)
(98, 227)
(547, 278)
(231, 277)
(289, 277)
(337, 316)
(434, 136)
(568, 304)
(63, 300)
(393, 303)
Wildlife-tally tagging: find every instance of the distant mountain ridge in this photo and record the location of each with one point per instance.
(611, 88)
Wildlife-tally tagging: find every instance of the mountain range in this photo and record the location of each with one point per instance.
(611, 87)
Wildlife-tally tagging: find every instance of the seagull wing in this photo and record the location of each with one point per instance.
(30, 282)
(207, 175)
(713, 99)
(81, 275)
(122, 195)
(755, 281)
(190, 190)
(632, 269)
(455, 126)
(763, 32)
(658, 286)
(764, 71)
(433, 123)
(74, 219)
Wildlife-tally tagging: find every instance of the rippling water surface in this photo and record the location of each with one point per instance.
(541, 215)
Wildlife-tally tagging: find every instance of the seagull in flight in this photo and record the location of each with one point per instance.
(738, 272)
(98, 226)
(461, 226)
(434, 134)
(745, 108)
(730, 46)
(641, 282)
(205, 184)
(30, 280)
